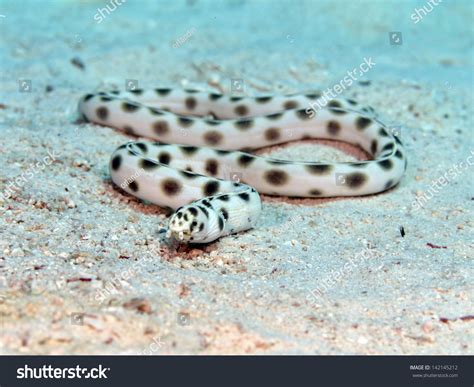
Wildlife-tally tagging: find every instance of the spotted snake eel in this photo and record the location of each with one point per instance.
(200, 138)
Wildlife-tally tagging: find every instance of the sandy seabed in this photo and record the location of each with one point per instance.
(83, 269)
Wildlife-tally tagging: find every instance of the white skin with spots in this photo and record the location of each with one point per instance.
(194, 176)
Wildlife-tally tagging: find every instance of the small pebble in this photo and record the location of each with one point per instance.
(402, 231)
(427, 327)
(140, 304)
(76, 61)
(362, 340)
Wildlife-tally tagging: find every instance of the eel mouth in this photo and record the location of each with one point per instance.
(182, 236)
